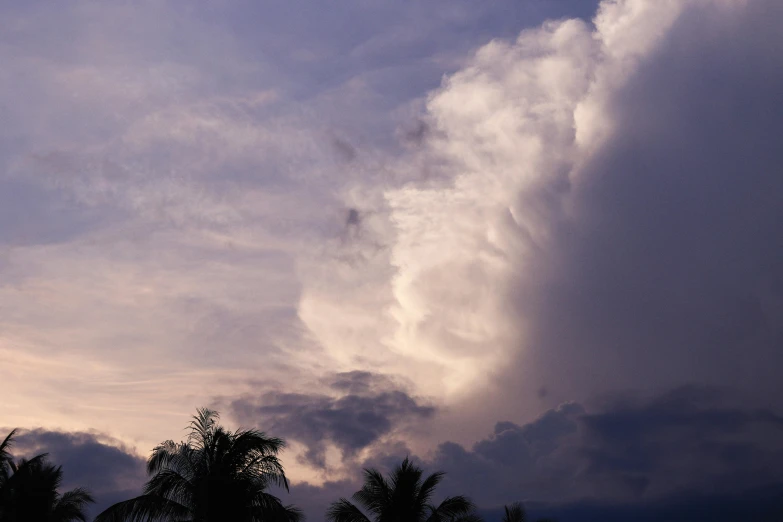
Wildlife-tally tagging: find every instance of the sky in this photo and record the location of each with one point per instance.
(536, 244)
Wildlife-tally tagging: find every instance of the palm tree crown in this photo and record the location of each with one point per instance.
(29, 491)
(5, 457)
(403, 497)
(216, 475)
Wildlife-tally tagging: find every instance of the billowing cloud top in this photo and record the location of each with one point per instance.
(383, 228)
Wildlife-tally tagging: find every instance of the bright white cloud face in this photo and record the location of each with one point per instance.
(265, 207)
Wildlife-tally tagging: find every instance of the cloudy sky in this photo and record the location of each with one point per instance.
(537, 244)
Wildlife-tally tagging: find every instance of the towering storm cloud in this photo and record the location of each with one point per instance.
(603, 205)
(594, 208)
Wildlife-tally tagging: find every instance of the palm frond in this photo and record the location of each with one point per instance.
(38, 460)
(202, 427)
(427, 487)
(268, 508)
(252, 442)
(293, 514)
(163, 454)
(406, 476)
(344, 511)
(8, 441)
(451, 509)
(405, 484)
(72, 506)
(514, 512)
(6, 459)
(266, 469)
(253, 454)
(375, 495)
(167, 483)
(145, 508)
(282, 514)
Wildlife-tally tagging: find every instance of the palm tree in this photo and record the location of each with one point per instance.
(216, 475)
(403, 497)
(28, 491)
(5, 456)
(515, 512)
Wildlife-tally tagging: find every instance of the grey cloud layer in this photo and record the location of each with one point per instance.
(633, 457)
(687, 440)
(365, 408)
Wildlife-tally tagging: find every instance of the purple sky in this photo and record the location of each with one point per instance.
(537, 244)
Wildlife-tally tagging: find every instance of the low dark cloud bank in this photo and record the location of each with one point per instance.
(363, 408)
(691, 439)
(761, 505)
(687, 454)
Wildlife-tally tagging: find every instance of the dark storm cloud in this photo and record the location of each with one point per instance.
(761, 505)
(110, 471)
(314, 500)
(688, 440)
(686, 453)
(669, 266)
(368, 407)
(499, 468)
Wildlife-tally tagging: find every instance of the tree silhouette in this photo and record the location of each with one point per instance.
(403, 497)
(28, 490)
(5, 456)
(515, 512)
(216, 475)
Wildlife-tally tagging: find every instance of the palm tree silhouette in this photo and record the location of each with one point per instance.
(515, 512)
(403, 497)
(28, 490)
(5, 456)
(216, 475)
